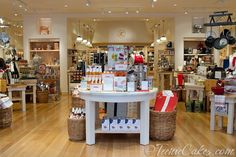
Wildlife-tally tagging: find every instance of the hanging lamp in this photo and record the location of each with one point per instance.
(158, 40)
(85, 40)
(79, 37)
(163, 37)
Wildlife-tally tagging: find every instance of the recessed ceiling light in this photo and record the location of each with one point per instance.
(154, 0)
(65, 5)
(94, 20)
(87, 4)
(109, 11)
(15, 14)
(20, 6)
(126, 12)
(175, 5)
(147, 19)
(21, 26)
(26, 9)
(137, 11)
(185, 12)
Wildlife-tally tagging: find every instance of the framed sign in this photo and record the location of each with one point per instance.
(45, 27)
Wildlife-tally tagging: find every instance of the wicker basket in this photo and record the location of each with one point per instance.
(77, 102)
(76, 129)
(162, 125)
(42, 96)
(5, 117)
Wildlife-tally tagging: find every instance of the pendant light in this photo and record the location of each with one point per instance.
(79, 37)
(84, 40)
(163, 37)
(158, 40)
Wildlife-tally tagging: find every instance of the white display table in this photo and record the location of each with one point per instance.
(231, 122)
(92, 97)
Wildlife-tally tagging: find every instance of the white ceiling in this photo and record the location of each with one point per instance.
(100, 7)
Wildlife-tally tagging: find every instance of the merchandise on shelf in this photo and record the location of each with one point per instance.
(120, 124)
(77, 113)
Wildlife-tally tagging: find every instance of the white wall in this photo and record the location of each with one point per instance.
(122, 32)
(59, 31)
(183, 28)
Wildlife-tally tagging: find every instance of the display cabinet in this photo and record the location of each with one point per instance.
(45, 56)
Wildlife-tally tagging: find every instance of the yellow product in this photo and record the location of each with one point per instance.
(3, 85)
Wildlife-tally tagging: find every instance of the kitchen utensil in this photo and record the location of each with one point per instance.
(209, 42)
(220, 43)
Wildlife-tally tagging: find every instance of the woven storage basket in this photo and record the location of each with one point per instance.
(42, 96)
(76, 129)
(162, 125)
(77, 102)
(5, 117)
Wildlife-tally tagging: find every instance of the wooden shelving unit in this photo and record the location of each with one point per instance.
(48, 50)
(193, 50)
(151, 61)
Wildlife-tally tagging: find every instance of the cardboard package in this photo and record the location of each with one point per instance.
(166, 101)
(105, 124)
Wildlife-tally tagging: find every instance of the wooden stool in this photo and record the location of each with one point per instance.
(161, 80)
(18, 87)
(190, 88)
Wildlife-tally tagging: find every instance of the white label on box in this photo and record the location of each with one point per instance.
(120, 83)
(114, 124)
(96, 87)
(144, 85)
(105, 124)
(131, 86)
(218, 74)
(122, 67)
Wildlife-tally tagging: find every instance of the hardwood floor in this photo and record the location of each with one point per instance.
(42, 131)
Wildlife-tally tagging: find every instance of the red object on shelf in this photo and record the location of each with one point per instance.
(180, 79)
(166, 103)
(218, 90)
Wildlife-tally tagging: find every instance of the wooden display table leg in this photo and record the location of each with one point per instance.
(34, 94)
(234, 119)
(23, 100)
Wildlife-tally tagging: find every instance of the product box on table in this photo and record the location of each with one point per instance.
(105, 124)
(128, 124)
(121, 124)
(120, 83)
(135, 125)
(114, 125)
(96, 87)
(121, 67)
(108, 82)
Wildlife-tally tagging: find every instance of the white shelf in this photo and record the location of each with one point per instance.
(100, 131)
